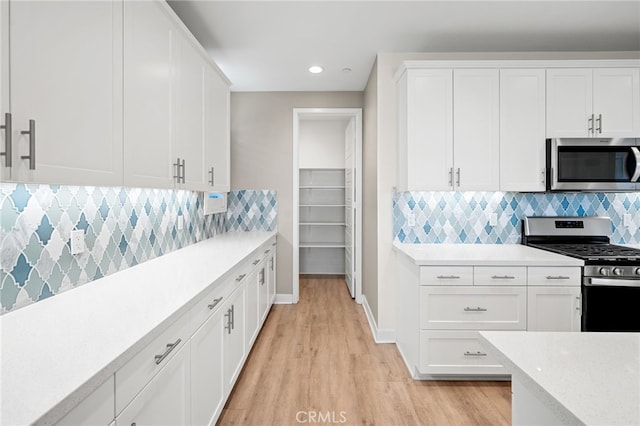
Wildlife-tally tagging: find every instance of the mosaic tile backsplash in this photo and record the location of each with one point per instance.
(464, 217)
(122, 226)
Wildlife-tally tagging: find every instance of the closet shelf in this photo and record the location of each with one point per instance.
(322, 205)
(321, 245)
(322, 224)
(322, 187)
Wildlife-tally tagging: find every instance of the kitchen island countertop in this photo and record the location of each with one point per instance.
(582, 378)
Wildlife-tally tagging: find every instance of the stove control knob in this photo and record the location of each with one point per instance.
(617, 271)
(603, 271)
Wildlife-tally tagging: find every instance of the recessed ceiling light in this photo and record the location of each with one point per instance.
(315, 69)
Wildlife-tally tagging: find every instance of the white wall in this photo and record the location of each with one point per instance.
(262, 153)
(321, 143)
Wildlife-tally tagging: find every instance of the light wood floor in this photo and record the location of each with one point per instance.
(318, 358)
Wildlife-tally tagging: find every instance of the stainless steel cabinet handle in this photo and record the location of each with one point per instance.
(182, 166)
(590, 121)
(267, 251)
(458, 177)
(8, 131)
(170, 347)
(557, 277)
(255, 262)
(214, 303)
(478, 309)
(177, 166)
(599, 124)
(271, 263)
(32, 144)
(212, 174)
(262, 276)
(451, 176)
(273, 244)
(228, 316)
(448, 277)
(503, 277)
(233, 317)
(543, 181)
(240, 277)
(477, 353)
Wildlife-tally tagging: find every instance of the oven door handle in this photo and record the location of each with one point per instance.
(636, 154)
(612, 282)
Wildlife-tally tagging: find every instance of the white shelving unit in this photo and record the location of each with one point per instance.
(322, 221)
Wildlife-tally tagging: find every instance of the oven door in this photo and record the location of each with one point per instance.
(610, 304)
(593, 164)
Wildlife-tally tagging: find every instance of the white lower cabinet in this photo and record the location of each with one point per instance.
(263, 290)
(166, 399)
(271, 274)
(207, 383)
(455, 352)
(233, 338)
(251, 308)
(442, 308)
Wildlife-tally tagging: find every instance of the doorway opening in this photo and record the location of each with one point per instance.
(327, 194)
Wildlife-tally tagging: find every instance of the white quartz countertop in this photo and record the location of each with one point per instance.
(483, 255)
(55, 352)
(584, 378)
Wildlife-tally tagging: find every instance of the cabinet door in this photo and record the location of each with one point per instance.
(217, 131)
(233, 341)
(149, 38)
(251, 308)
(166, 399)
(569, 103)
(616, 102)
(66, 75)
(553, 308)
(207, 382)
(5, 169)
(425, 130)
(263, 291)
(522, 130)
(476, 144)
(189, 128)
(272, 275)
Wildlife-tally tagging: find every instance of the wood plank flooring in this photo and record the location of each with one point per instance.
(317, 363)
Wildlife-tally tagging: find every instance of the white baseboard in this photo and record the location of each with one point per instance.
(283, 299)
(379, 335)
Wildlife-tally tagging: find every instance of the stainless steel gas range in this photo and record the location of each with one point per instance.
(610, 277)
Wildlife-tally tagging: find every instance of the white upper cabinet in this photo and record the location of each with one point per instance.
(149, 73)
(5, 146)
(217, 131)
(425, 130)
(66, 90)
(593, 102)
(476, 146)
(522, 130)
(189, 140)
(176, 105)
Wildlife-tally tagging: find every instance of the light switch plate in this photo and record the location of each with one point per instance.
(493, 220)
(626, 220)
(411, 219)
(180, 222)
(77, 241)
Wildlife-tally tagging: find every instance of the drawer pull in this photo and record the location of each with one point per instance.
(267, 251)
(170, 347)
(214, 303)
(478, 309)
(255, 262)
(503, 277)
(240, 277)
(448, 277)
(557, 277)
(273, 244)
(477, 353)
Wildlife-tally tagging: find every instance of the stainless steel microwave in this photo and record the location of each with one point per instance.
(593, 164)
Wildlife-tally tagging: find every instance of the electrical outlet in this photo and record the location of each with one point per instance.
(77, 241)
(411, 219)
(493, 220)
(626, 220)
(180, 222)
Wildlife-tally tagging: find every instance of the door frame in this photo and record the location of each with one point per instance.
(299, 114)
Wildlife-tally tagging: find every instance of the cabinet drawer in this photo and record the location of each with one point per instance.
(211, 302)
(135, 374)
(553, 276)
(473, 308)
(446, 275)
(500, 275)
(455, 352)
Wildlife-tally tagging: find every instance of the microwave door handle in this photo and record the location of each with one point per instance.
(636, 154)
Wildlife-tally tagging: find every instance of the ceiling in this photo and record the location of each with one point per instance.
(269, 45)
